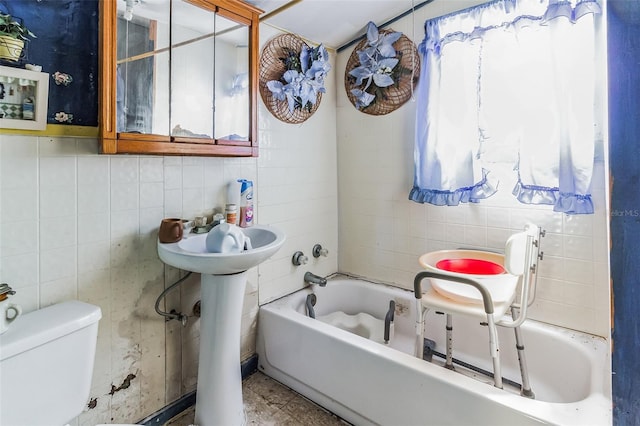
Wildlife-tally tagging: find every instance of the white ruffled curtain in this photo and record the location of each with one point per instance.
(508, 75)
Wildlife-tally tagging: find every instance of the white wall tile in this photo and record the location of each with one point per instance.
(19, 271)
(151, 169)
(151, 194)
(173, 203)
(57, 232)
(18, 162)
(93, 228)
(93, 170)
(124, 169)
(193, 202)
(577, 247)
(18, 205)
(57, 263)
(93, 198)
(172, 177)
(124, 197)
(19, 237)
(58, 201)
(57, 291)
(57, 171)
(193, 175)
(93, 256)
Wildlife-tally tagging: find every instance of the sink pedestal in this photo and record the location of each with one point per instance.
(219, 395)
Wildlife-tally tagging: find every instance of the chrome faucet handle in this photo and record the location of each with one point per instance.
(318, 251)
(299, 259)
(5, 289)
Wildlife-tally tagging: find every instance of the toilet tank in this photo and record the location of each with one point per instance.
(46, 364)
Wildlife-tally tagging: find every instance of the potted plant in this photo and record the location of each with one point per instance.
(13, 34)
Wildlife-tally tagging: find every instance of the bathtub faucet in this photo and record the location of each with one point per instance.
(314, 279)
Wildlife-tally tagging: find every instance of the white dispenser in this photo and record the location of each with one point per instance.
(246, 203)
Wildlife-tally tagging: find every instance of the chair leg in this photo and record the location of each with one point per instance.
(420, 313)
(449, 362)
(494, 348)
(524, 371)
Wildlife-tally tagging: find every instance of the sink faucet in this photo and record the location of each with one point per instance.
(314, 279)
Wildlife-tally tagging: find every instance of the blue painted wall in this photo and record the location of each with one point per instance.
(67, 41)
(624, 144)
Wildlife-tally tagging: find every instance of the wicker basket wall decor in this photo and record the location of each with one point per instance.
(390, 98)
(272, 67)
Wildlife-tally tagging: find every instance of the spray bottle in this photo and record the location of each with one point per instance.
(246, 203)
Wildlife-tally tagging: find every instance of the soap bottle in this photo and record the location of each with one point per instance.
(246, 203)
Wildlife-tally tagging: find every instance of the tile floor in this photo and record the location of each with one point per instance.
(269, 403)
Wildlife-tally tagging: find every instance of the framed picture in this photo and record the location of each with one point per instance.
(23, 99)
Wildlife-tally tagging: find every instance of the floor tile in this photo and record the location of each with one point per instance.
(270, 403)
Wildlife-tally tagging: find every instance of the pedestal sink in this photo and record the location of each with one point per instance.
(224, 278)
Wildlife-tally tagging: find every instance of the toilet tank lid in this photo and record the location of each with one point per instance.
(44, 325)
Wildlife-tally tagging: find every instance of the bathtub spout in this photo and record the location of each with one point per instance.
(314, 279)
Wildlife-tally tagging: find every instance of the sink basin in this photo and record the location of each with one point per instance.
(190, 253)
(488, 269)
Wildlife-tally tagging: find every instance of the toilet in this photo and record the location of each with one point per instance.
(46, 364)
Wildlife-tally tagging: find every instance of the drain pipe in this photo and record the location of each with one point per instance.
(173, 314)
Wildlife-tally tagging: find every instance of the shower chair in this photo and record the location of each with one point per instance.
(522, 253)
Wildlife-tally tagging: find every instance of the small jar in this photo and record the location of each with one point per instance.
(231, 213)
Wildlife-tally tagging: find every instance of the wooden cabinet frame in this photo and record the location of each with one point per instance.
(113, 142)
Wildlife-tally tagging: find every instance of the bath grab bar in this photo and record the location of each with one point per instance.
(388, 319)
(486, 296)
(311, 302)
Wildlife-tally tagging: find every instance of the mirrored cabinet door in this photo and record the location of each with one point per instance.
(232, 100)
(142, 68)
(193, 31)
(179, 77)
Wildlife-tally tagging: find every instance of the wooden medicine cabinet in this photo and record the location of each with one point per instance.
(179, 77)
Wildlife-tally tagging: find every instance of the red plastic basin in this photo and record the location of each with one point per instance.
(470, 266)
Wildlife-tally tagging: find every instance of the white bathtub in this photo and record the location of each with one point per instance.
(366, 382)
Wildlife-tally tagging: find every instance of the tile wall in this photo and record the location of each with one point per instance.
(298, 189)
(382, 233)
(78, 225)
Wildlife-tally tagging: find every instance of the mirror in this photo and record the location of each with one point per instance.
(142, 68)
(183, 78)
(232, 81)
(193, 32)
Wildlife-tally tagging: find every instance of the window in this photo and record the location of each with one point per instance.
(508, 81)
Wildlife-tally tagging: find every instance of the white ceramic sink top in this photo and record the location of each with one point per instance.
(190, 253)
